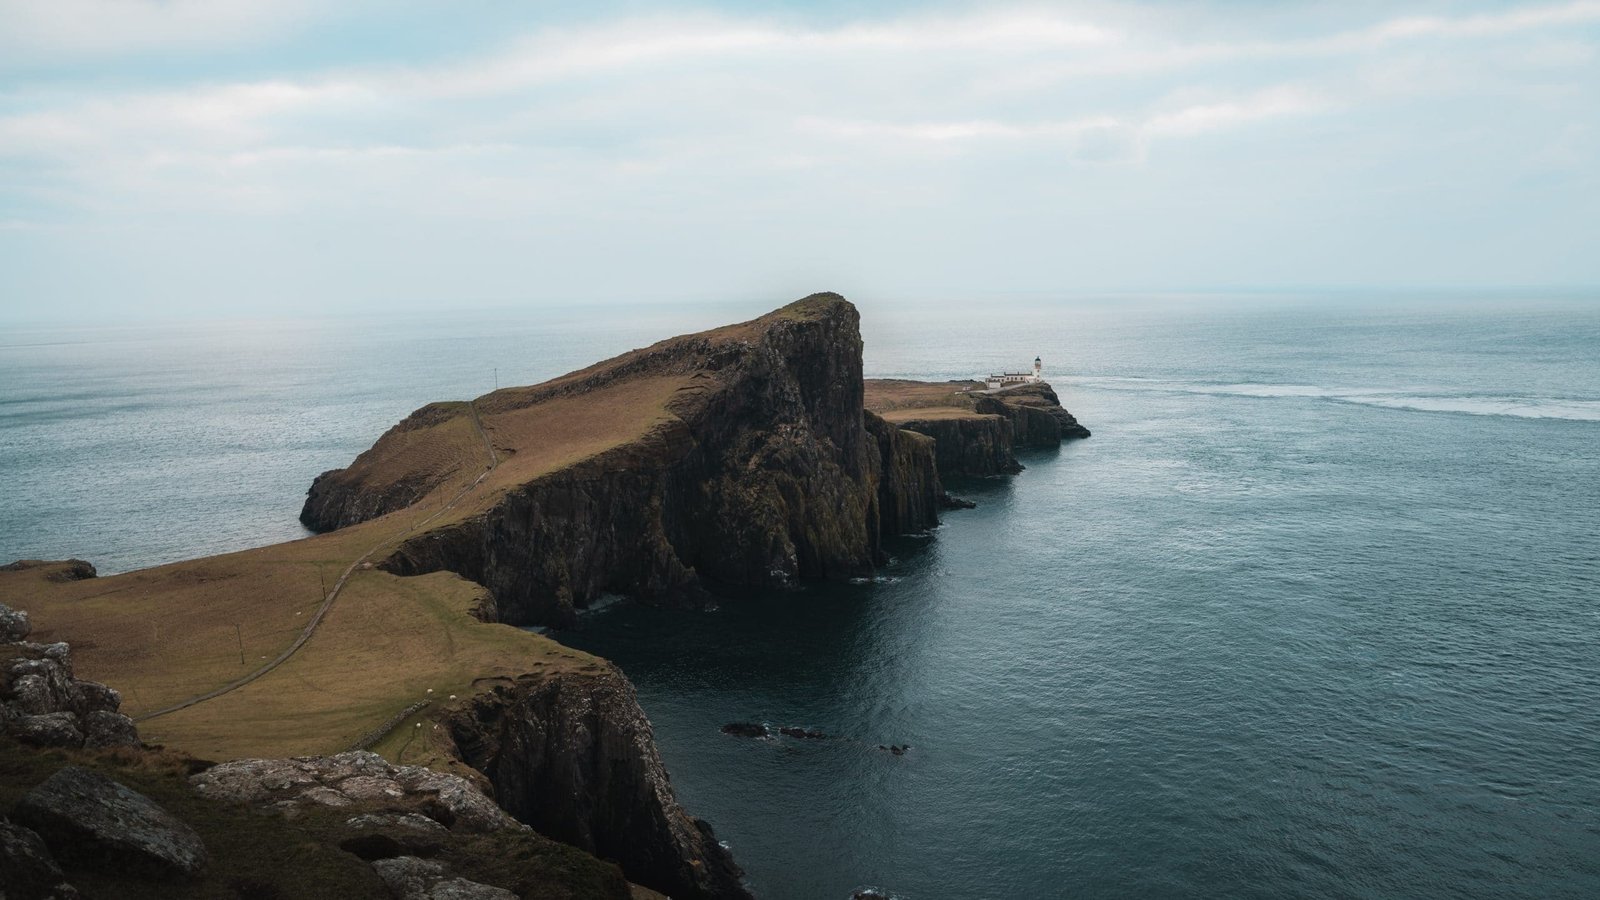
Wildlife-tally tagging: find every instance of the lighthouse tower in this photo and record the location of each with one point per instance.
(1038, 369)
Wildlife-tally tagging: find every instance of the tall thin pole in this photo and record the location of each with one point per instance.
(497, 378)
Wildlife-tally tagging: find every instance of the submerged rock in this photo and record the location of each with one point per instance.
(745, 729)
(810, 734)
(90, 820)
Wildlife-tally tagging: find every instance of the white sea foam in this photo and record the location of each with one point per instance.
(1521, 407)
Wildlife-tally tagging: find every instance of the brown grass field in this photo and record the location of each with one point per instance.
(899, 400)
(165, 634)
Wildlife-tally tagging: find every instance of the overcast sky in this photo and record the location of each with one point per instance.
(251, 156)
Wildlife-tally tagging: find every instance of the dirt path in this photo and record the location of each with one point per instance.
(344, 578)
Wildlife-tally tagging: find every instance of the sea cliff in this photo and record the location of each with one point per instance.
(976, 431)
(762, 468)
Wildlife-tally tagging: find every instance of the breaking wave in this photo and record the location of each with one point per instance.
(1520, 407)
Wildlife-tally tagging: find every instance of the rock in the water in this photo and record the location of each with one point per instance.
(410, 878)
(809, 734)
(90, 820)
(48, 730)
(14, 625)
(102, 728)
(745, 729)
(27, 870)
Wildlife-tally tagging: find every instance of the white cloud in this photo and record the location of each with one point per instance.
(46, 30)
(754, 119)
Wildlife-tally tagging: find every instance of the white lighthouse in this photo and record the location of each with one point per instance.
(1002, 380)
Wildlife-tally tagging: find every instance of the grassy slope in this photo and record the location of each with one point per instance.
(899, 400)
(162, 635)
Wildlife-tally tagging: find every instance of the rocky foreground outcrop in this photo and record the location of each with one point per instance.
(41, 703)
(89, 819)
(766, 470)
(348, 779)
(573, 755)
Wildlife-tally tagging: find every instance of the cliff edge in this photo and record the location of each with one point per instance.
(738, 458)
(976, 430)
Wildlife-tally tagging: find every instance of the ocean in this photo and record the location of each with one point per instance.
(1313, 614)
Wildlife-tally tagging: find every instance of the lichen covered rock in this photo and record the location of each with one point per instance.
(41, 703)
(94, 821)
(356, 777)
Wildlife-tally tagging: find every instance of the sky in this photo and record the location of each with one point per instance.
(248, 157)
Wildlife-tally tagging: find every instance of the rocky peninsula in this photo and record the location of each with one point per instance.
(739, 459)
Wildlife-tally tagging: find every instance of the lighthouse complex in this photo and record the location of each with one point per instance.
(1012, 379)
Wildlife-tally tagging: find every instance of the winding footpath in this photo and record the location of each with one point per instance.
(344, 578)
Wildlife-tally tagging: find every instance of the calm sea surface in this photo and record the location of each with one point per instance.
(1315, 613)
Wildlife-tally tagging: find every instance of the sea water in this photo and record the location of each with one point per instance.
(1315, 613)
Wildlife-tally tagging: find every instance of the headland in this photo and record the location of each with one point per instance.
(711, 465)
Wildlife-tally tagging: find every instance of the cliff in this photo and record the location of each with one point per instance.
(975, 431)
(574, 756)
(739, 458)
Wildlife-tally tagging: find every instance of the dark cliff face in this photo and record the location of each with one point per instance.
(770, 471)
(573, 756)
(977, 445)
(982, 444)
(1037, 417)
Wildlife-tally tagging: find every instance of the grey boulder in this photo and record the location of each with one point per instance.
(27, 870)
(410, 878)
(90, 820)
(14, 625)
(49, 730)
(102, 728)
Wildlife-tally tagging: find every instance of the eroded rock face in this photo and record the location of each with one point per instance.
(573, 755)
(42, 704)
(1029, 416)
(350, 778)
(95, 822)
(1037, 417)
(769, 471)
(27, 870)
(980, 445)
